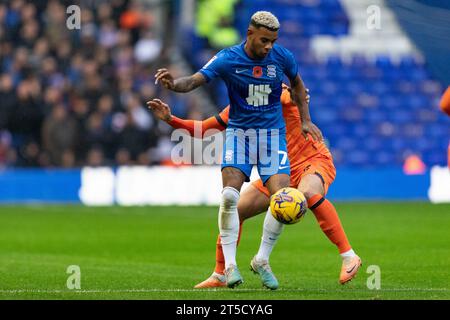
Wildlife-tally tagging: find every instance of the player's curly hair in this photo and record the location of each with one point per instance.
(265, 19)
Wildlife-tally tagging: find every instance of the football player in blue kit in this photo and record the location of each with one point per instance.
(253, 72)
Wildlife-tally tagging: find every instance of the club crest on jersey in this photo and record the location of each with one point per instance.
(271, 71)
(257, 72)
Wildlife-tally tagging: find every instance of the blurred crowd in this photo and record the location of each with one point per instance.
(70, 98)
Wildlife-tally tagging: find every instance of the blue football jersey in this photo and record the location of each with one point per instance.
(254, 86)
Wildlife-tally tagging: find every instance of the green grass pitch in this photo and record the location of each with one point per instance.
(162, 252)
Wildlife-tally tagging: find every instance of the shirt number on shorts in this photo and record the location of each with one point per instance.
(283, 160)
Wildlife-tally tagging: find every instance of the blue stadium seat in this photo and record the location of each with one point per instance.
(359, 61)
(383, 158)
(374, 116)
(416, 101)
(412, 130)
(435, 157)
(335, 130)
(384, 62)
(437, 132)
(358, 157)
(354, 87)
(334, 62)
(405, 87)
(380, 88)
(373, 143)
(401, 116)
(330, 116)
(361, 131)
(408, 62)
(352, 114)
(346, 143)
(396, 143)
(391, 102)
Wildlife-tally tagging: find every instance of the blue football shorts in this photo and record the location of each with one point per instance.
(265, 148)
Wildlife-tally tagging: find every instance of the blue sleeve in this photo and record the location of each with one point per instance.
(214, 67)
(290, 65)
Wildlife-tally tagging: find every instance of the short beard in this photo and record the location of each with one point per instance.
(258, 56)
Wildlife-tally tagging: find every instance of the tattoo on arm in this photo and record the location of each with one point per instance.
(186, 84)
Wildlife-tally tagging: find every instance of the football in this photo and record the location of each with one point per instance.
(288, 205)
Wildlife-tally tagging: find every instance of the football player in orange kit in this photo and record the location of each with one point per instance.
(312, 172)
(445, 107)
(445, 101)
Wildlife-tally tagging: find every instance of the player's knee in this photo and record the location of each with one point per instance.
(311, 185)
(233, 178)
(309, 194)
(277, 182)
(243, 211)
(310, 190)
(246, 210)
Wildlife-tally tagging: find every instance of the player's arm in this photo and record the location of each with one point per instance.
(183, 84)
(162, 112)
(299, 96)
(212, 69)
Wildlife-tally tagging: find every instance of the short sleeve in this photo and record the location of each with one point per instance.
(290, 65)
(224, 115)
(214, 67)
(286, 97)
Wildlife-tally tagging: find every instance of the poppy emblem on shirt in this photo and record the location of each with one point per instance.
(257, 72)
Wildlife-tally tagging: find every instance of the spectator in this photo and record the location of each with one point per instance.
(132, 138)
(8, 100)
(59, 134)
(95, 157)
(29, 155)
(27, 116)
(148, 48)
(7, 154)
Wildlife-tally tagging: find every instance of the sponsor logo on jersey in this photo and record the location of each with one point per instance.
(258, 94)
(209, 62)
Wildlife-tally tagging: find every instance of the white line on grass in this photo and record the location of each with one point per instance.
(19, 291)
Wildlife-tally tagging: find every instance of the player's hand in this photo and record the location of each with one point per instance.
(160, 109)
(308, 97)
(313, 130)
(166, 79)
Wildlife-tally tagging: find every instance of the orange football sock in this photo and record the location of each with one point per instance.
(220, 259)
(329, 221)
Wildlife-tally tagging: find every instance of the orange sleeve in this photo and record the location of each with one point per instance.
(285, 97)
(218, 122)
(224, 115)
(445, 101)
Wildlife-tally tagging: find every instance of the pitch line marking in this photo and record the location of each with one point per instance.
(18, 291)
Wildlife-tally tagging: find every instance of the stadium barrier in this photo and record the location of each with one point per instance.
(195, 185)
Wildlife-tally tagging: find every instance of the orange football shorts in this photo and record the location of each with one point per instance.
(320, 165)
